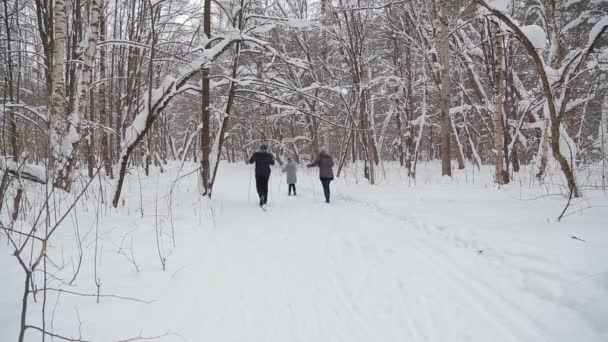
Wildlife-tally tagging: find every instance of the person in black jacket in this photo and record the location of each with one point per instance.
(262, 159)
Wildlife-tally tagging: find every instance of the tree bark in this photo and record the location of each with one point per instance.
(499, 138)
(444, 57)
(205, 103)
(57, 108)
(104, 118)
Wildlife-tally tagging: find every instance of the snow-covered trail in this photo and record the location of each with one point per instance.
(307, 271)
(300, 271)
(312, 272)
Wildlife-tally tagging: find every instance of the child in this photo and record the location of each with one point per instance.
(292, 169)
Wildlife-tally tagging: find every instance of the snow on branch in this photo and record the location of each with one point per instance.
(536, 35)
(272, 22)
(34, 173)
(170, 87)
(460, 109)
(597, 30)
(501, 5)
(155, 3)
(545, 72)
(580, 101)
(34, 110)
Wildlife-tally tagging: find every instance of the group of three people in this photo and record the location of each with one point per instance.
(264, 159)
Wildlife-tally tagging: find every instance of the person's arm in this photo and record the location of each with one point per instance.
(271, 159)
(252, 159)
(314, 163)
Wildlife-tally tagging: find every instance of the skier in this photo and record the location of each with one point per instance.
(262, 159)
(326, 174)
(291, 169)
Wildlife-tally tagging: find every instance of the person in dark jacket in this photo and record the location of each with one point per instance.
(262, 159)
(326, 173)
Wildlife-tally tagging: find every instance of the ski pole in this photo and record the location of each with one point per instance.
(280, 182)
(249, 192)
(312, 182)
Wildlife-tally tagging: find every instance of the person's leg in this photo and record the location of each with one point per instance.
(290, 189)
(325, 183)
(266, 179)
(259, 186)
(294, 189)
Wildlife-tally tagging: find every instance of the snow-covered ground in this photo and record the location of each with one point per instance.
(440, 260)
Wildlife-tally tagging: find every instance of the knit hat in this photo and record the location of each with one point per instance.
(264, 147)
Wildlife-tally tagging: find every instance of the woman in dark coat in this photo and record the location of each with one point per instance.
(326, 173)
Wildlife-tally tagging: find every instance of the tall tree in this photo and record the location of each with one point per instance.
(205, 106)
(444, 58)
(499, 138)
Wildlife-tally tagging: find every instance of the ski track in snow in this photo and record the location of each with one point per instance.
(450, 274)
(436, 260)
(306, 271)
(348, 298)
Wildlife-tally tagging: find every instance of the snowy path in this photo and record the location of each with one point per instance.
(304, 271)
(307, 271)
(345, 273)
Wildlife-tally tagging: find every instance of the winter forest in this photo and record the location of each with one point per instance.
(468, 142)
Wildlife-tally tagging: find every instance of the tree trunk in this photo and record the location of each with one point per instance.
(10, 115)
(499, 138)
(555, 106)
(227, 113)
(205, 103)
(57, 108)
(444, 57)
(103, 113)
(90, 137)
(543, 153)
(459, 149)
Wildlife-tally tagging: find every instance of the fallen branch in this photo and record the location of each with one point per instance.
(29, 172)
(94, 295)
(141, 338)
(577, 238)
(54, 335)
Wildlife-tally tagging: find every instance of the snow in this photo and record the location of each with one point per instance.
(597, 29)
(27, 171)
(154, 3)
(168, 89)
(235, 11)
(584, 16)
(536, 35)
(38, 111)
(296, 23)
(446, 259)
(602, 58)
(501, 5)
(460, 109)
(300, 23)
(299, 63)
(136, 127)
(571, 2)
